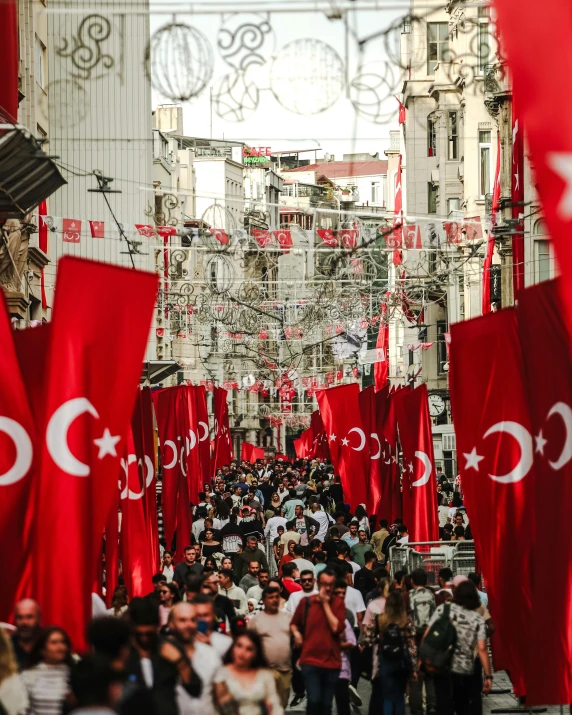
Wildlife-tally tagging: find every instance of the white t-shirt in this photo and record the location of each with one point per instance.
(295, 598)
(304, 565)
(206, 663)
(271, 530)
(355, 567)
(147, 671)
(322, 518)
(221, 643)
(168, 572)
(198, 527)
(354, 601)
(403, 540)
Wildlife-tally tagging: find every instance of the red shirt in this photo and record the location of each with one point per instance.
(321, 647)
(290, 585)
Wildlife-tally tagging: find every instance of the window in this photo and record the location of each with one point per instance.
(431, 137)
(375, 192)
(453, 205)
(431, 198)
(483, 39)
(485, 159)
(541, 261)
(452, 136)
(437, 44)
(40, 70)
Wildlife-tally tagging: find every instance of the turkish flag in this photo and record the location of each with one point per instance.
(473, 228)
(402, 112)
(320, 447)
(544, 341)
(43, 244)
(348, 237)
(387, 466)
(517, 191)
(18, 464)
(88, 407)
(453, 232)
(412, 237)
(202, 415)
(144, 437)
(135, 546)
(381, 365)
(97, 229)
(418, 477)
(339, 409)
(250, 452)
(284, 239)
(144, 229)
(368, 410)
(166, 231)
(263, 238)
(222, 454)
(328, 237)
(112, 552)
(166, 409)
(495, 454)
(303, 445)
(191, 431)
(220, 235)
(71, 230)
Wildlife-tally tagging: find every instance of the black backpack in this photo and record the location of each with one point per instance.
(436, 649)
(391, 645)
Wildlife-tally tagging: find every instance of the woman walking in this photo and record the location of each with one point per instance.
(47, 681)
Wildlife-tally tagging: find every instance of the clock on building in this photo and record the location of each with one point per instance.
(436, 405)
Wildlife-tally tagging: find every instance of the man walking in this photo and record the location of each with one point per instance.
(251, 553)
(317, 629)
(188, 567)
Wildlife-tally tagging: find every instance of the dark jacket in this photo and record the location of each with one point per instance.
(242, 560)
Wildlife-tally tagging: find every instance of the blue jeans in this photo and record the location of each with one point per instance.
(394, 708)
(320, 688)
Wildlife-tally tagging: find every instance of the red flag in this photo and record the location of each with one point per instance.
(112, 552)
(339, 409)
(222, 442)
(166, 410)
(200, 397)
(71, 230)
(263, 238)
(348, 237)
(166, 231)
(250, 452)
(88, 407)
(419, 479)
(546, 353)
(396, 234)
(473, 228)
(284, 239)
(135, 546)
(412, 237)
(453, 232)
(517, 190)
(328, 237)
(145, 229)
(220, 235)
(9, 54)
(368, 410)
(488, 262)
(402, 112)
(387, 465)
(17, 439)
(381, 365)
(320, 448)
(43, 243)
(191, 431)
(495, 452)
(97, 229)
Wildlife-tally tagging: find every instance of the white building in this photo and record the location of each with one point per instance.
(220, 192)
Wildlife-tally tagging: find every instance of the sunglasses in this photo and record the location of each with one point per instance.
(306, 580)
(165, 592)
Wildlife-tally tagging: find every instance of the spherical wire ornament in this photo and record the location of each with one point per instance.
(235, 96)
(179, 61)
(307, 76)
(372, 92)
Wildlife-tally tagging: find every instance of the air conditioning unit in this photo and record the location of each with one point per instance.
(449, 442)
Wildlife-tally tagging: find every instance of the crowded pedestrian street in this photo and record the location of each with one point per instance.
(285, 357)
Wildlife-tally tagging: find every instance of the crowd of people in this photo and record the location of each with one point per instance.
(283, 595)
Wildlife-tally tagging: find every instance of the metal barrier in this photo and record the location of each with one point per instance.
(432, 556)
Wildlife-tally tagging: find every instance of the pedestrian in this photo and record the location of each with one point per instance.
(27, 619)
(170, 595)
(246, 686)
(360, 515)
(317, 628)
(207, 625)
(168, 568)
(348, 645)
(422, 605)
(273, 627)
(110, 637)
(47, 679)
(374, 608)
(190, 566)
(232, 592)
(397, 653)
(252, 552)
(308, 584)
(322, 518)
(255, 591)
(305, 525)
(352, 538)
(288, 556)
(302, 563)
(364, 579)
(224, 610)
(454, 689)
(359, 550)
(378, 537)
(210, 545)
(119, 602)
(250, 578)
(290, 575)
(13, 694)
(96, 687)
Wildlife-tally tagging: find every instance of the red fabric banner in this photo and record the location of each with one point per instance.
(368, 410)
(495, 453)
(381, 365)
(43, 244)
(284, 239)
(135, 547)
(397, 233)
(546, 354)
(222, 453)
(112, 552)
(328, 237)
(9, 57)
(339, 409)
(88, 408)
(320, 447)
(169, 436)
(144, 229)
(347, 237)
(517, 191)
(191, 432)
(263, 238)
(97, 229)
(419, 481)
(220, 235)
(488, 262)
(250, 452)
(202, 414)
(71, 230)
(17, 466)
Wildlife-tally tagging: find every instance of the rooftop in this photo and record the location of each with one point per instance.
(343, 169)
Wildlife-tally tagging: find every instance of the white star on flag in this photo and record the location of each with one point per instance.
(332, 438)
(472, 459)
(345, 442)
(106, 444)
(561, 164)
(540, 443)
(411, 467)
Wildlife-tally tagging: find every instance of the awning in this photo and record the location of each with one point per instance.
(27, 175)
(155, 371)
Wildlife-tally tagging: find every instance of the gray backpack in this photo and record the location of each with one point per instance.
(422, 604)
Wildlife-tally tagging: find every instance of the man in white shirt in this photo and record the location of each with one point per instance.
(323, 521)
(301, 562)
(271, 528)
(199, 524)
(403, 534)
(206, 632)
(235, 593)
(308, 583)
(355, 603)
